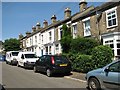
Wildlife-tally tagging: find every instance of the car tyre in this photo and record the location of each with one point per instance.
(6, 62)
(35, 69)
(18, 64)
(48, 72)
(93, 84)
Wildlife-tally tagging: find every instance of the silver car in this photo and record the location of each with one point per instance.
(107, 78)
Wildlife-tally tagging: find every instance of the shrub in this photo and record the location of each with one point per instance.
(101, 55)
(82, 63)
(83, 45)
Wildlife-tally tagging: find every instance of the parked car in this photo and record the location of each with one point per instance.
(51, 64)
(11, 57)
(26, 59)
(2, 57)
(105, 78)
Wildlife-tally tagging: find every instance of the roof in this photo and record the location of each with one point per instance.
(80, 15)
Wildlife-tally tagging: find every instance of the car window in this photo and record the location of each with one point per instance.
(22, 56)
(115, 67)
(15, 53)
(60, 59)
(42, 58)
(30, 56)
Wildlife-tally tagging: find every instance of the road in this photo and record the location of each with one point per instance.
(17, 77)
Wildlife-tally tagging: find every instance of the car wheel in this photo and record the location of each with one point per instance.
(93, 84)
(18, 64)
(25, 66)
(48, 72)
(35, 69)
(6, 62)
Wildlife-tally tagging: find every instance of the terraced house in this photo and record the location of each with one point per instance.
(101, 22)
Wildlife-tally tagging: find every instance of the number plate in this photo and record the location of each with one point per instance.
(63, 65)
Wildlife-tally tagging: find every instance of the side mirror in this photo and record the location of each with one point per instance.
(106, 70)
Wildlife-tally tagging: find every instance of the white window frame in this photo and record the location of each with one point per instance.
(74, 30)
(85, 20)
(108, 11)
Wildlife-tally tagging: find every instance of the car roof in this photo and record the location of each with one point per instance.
(27, 52)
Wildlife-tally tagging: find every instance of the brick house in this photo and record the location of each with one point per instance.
(101, 22)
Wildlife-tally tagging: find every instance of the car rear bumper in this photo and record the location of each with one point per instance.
(61, 70)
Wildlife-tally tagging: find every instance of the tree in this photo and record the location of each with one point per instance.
(66, 39)
(11, 44)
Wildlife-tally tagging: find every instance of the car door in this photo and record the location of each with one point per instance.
(112, 77)
(40, 63)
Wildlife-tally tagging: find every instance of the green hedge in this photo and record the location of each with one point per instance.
(100, 56)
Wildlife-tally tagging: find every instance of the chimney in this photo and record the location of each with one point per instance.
(45, 23)
(82, 5)
(67, 13)
(20, 36)
(53, 19)
(28, 33)
(33, 29)
(37, 26)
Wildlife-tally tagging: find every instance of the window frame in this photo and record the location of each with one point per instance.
(109, 11)
(84, 21)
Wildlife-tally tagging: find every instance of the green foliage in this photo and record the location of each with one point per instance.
(101, 55)
(11, 44)
(82, 63)
(66, 39)
(83, 45)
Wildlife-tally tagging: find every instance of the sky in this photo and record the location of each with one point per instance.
(19, 17)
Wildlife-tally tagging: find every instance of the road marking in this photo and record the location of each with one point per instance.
(75, 79)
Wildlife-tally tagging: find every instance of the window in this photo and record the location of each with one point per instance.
(36, 39)
(50, 50)
(57, 47)
(39, 38)
(60, 33)
(111, 17)
(46, 50)
(50, 36)
(118, 51)
(74, 30)
(42, 38)
(118, 45)
(87, 31)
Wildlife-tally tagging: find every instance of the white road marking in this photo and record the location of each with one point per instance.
(75, 79)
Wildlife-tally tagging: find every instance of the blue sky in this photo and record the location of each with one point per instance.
(19, 17)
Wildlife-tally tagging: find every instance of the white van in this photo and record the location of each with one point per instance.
(27, 59)
(11, 57)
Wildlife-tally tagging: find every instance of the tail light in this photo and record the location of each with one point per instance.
(52, 59)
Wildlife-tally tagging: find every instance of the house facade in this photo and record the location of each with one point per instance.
(101, 22)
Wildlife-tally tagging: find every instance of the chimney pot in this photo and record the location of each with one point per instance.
(45, 23)
(33, 29)
(53, 19)
(37, 26)
(82, 5)
(28, 33)
(67, 12)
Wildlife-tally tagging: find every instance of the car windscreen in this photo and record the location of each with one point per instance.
(15, 53)
(30, 56)
(60, 59)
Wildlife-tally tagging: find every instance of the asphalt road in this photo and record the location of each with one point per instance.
(17, 77)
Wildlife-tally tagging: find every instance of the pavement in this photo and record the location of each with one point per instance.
(77, 76)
